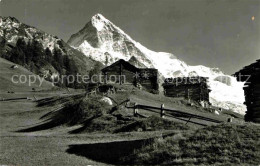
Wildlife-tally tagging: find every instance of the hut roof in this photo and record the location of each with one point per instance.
(129, 66)
(185, 81)
(124, 63)
(252, 69)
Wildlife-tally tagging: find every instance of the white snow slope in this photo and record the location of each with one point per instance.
(105, 42)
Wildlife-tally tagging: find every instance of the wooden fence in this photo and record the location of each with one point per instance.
(180, 115)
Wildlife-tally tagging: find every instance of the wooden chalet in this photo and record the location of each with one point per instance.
(251, 76)
(122, 72)
(191, 88)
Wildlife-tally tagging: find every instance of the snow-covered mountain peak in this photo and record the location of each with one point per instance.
(102, 40)
(99, 22)
(103, 24)
(100, 17)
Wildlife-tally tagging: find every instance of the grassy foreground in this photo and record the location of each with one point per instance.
(225, 144)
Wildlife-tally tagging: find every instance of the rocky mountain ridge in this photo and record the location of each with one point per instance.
(11, 29)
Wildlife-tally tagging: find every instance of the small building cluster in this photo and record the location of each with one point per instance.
(251, 76)
(191, 88)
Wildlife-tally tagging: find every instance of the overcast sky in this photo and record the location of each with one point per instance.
(214, 33)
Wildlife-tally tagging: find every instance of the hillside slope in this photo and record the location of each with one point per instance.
(6, 83)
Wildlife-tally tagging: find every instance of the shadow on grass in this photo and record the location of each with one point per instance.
(62, 116)
(48, 125)
(55, 121)
(85, 125)
(110, 152)
(71, 113)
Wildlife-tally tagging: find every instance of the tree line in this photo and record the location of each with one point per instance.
(34, 57)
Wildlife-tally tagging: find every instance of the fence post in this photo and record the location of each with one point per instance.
(68, 90)
(127, 103)
(105, 81)
(230, 120)
(188, 121)
(135, 109)
(162, 110)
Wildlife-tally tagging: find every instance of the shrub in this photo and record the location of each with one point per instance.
(76, 110)
(86, 109)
